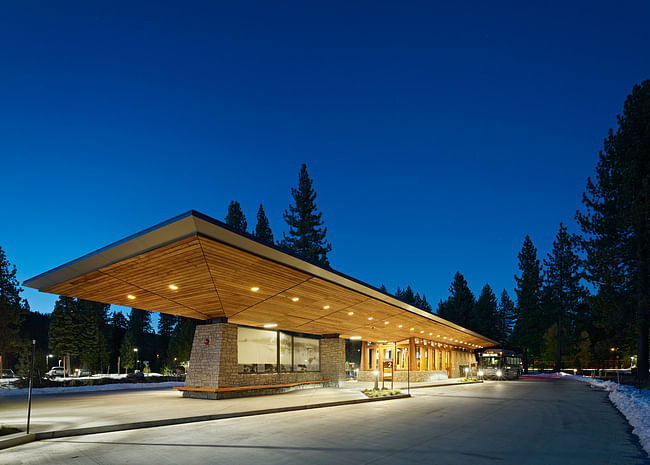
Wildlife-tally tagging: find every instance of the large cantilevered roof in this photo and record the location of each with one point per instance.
(196, 266)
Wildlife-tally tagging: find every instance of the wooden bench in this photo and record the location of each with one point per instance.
(247, 388)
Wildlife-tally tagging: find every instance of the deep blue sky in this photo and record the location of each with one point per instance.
(437, 136)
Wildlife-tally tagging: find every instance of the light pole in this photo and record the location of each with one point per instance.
(47, 360)
(136, 357)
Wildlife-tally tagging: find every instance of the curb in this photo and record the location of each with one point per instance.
(23, 438)
(446, 384)
(16, 439)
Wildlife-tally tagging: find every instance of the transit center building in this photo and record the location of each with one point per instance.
(269, 319)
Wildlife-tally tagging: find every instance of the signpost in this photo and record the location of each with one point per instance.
(31, 375)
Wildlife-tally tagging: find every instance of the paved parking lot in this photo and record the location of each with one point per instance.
(526, 421)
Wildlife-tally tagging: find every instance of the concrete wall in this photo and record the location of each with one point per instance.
(214, 365)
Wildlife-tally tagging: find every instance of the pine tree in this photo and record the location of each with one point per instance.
(458, 307)
(166, 324)
(235, 217)
(563, 292)
(306, 231)
(118, 327)
(92, 316)
(127, 352)
(180, 344)
(529, 326)
(506, 310)
(12, 310)
(616, 219)
(407, 295)
(262, 228)
(484, 317)
(140, 324)
(65, 330)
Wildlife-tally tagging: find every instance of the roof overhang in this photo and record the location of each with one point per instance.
(215, 268)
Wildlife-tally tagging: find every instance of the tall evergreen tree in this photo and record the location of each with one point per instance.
(506, 310)
(180, 344)
(65, 330)
(263, 228)
(166, 324)
(306, 231)
(128, 354)
(458, 307)
(119, 326)
(140, 324)
(529, 325)
(484, 318)
(407, 295)
(12, 310)
(93, 347)
(616, 218)
(563, 292)
(235, 217)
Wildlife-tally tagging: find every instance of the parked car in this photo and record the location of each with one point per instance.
(82, 372)
(55, 372)
(6, 373)
(135, 375)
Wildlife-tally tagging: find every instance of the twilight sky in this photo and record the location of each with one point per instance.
(437, 136)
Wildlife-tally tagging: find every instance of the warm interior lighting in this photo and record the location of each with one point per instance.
(386, 322)
(421, 332)
(382, 342)
(411, 329)
(370, 318)
(355, 338)
(295, 299)
(438, 335)
(444, 337)
(130, 297)
(173, 287)
(255, 289)
(399, 326)
(430, 334)
(326, 307)
(350, 313)
(271, 325)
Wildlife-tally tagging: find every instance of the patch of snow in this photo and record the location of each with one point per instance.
(633, 403)
(77, 389)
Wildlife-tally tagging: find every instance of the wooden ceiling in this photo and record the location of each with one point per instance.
(215, 280)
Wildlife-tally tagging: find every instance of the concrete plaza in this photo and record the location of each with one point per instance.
(526, 421)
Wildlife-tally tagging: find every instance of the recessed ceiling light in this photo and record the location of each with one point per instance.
(326, 307)
(255, 289)
(295, 299)
(411, 329)
(444, 337)
(381, 342)
(355, 338)
(271, 325)
(421, 332)
(399, 326)
(173, 287)
(386, 322)
(130, 297)
(430, 334)
(350, 313)
(438, 335)
(370, 318)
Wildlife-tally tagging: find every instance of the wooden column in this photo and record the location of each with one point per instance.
(422, 349)
(413, 361)
(431, 361)
(364, 356)
(380, 366)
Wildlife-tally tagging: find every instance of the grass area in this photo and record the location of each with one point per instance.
(7, 430)
(381, 392)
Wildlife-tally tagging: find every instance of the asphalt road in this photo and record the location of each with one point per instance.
(525, 421)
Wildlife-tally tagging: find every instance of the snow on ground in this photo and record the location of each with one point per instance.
(78, 389)
(633, 403)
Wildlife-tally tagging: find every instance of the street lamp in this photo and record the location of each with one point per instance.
(376, 373)
(47, 360)
(136, 357)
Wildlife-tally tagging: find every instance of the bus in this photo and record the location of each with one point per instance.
(499, 364)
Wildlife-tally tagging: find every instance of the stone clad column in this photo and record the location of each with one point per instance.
(214, 354)
(332, 359)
